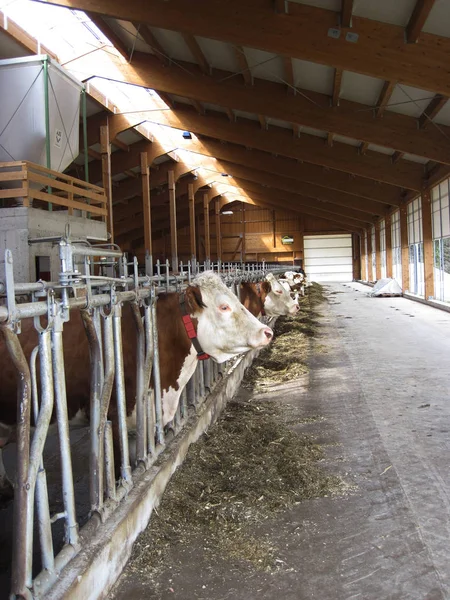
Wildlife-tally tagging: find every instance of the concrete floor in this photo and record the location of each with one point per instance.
(381, 381)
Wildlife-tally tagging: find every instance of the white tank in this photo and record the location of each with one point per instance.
(28, 129)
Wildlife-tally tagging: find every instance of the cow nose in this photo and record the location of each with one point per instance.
(268, 333)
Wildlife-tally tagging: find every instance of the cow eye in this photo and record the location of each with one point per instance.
(224, 307)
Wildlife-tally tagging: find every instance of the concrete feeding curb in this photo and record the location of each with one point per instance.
(95, 569)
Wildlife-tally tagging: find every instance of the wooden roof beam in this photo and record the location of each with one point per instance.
(420, 14)
(330, 138)
(346, 13)
(263, 122)
(289, 75)
(270, 99)
(198, 106)
(336, 87)
(385, 96)
(147, 35)
(244, 69)
(197, 52)
(112, 36)
(363, 147)
(380, 48)
(396, 157)
(307, 148)
(432, 110)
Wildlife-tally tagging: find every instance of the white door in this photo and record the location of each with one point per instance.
(328, 257)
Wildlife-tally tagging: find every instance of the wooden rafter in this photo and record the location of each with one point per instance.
(380, 49)
(296, 128)
(289, 74)
(336, 87)
(346, 13)
(230, 114)
(263, 121)
(420, 14)
(307, 147)
(330, 137)
(147, 35)
(432, 110)
(112, 36)
(197, 52)
(363, 147)
(397, 156)
(270, 99)
(385, 96)
(243, 65)
(198, 106)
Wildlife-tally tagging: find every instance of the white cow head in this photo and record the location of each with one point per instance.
(225, 327)
(279, 302)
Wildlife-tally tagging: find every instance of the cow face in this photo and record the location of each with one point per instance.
(279, 301)
(225, 327)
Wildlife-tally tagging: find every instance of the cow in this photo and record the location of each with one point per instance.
(296, 281)
(210, 313)
(267, 298)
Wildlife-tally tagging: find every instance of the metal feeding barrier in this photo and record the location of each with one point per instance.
(99, 298)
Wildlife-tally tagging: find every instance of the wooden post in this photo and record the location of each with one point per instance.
(363, 256)
(207, 234)
(378, 250)
(274, 228)
(388, 232)
(243, 247)
(146, 206)
(173, 222)
(356, 251)
(106, 177)
(428, 265)
(369, 255)
(405, 247)
(218, 231)
(191, 196)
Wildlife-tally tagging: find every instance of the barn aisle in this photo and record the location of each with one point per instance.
(379, 379)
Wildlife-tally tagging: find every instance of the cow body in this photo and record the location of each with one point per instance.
(224, 329)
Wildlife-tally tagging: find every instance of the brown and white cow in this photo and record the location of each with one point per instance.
(223, 327)
(296, 281)
(267, 298)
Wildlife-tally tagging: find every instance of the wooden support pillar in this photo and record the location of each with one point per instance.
(173, 222)
(243, 247)
(363, 256)
(428, 263)
(218, 231)
(106, 177)
(378, 251)
(356, 251)
(274, 228)
(206, 219)
(369, 255)
(388, 230)
(191, 196)
(146, 206)
(301, 236)
(405, 247)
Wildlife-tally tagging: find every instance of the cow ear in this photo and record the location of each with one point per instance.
(194, 299)
(266, 287)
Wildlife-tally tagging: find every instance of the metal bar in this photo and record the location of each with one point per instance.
(157, 377)
(109, 462)
(85, 137)
(71, 532)
(149, 395)
(21, 566)
(141, 414)
(96, 377)
(47, 123)
(125, 468)
(42, 418)
(108, 383)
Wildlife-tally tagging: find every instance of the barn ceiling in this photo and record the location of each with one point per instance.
(337, 107)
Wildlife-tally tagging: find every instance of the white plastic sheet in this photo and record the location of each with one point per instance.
(386, 286)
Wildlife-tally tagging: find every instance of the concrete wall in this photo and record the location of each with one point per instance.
(19, 224)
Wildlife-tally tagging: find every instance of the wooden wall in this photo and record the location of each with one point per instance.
(250, 234)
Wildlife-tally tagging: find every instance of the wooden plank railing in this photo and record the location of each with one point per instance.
(52, 187)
